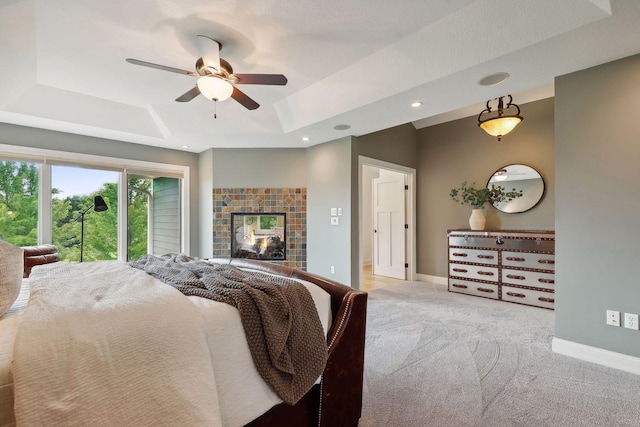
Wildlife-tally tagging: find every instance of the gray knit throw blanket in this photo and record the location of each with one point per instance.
(278, 315)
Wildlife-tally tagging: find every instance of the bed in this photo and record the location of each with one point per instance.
(335, 399)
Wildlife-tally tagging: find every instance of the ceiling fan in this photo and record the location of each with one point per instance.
(216, 79)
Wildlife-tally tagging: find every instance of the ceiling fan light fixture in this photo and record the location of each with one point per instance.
(215, 88)
(503, 123)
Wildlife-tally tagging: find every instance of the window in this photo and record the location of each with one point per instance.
(78, 230)
(19, 202)
(153, 215)
(48, 197)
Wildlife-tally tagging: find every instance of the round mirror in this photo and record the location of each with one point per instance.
(517, 178)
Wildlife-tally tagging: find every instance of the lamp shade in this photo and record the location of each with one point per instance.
(99, 204)
(500, 126)
(215, 88)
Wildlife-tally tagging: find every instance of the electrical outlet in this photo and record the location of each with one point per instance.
(613, 318)
(631, 321)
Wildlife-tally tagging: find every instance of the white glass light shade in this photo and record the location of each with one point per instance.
(500, 126)
(215, 88)
(501, 175)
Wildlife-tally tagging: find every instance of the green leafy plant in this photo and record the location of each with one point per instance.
(477, 197)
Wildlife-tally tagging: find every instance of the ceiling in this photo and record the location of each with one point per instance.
(357, 62)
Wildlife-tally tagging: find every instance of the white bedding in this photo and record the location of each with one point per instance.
(242, 395)
(9, 324)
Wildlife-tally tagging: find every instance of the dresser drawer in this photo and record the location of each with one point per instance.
(486, 290)
(528, 260)
(503, 240)
(534, 279)
(479, 272)
(528, 296)
(478, 256)
(473, 241)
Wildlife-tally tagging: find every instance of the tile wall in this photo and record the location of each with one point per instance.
(292, 201)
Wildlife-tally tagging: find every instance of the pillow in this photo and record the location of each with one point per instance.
(11, 266)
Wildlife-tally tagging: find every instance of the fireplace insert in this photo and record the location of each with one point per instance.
(258, 235)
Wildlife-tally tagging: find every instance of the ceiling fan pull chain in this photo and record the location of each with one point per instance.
(215, 108)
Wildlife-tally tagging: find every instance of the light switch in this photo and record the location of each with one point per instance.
(339, 211)
(334, 211)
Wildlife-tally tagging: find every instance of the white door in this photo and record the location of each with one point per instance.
(388, 225)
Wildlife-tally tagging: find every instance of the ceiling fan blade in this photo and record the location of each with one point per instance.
(261, 79)
(189, 95)
(210, 50)
(160, 67)
(243, 99)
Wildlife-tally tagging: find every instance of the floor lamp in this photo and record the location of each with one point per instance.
(99, 206)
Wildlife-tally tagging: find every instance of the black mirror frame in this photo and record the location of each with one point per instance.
(544, 187)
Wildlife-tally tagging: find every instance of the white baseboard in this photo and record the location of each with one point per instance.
(432, 279)
(597, 355)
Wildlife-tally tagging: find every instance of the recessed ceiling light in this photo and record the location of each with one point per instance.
(493, 79)
(416, 104)
(185, 146)
(342, 127)
(305, 138)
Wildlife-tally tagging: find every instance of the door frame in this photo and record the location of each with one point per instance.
(410, 213)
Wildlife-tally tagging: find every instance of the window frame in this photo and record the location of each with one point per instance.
(46, 158)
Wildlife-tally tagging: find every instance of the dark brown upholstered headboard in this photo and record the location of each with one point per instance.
(36, 255)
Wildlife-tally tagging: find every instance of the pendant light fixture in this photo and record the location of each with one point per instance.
(501, 175)
(501, 124)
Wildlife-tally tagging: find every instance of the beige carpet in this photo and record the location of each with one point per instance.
(435, 358)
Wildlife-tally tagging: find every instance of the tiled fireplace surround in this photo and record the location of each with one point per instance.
(292, 201)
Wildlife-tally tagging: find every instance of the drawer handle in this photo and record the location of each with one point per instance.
(485, 290)
(546, 261)
(515, 258)
(455, 285)
(459, 254)
(515, 276)
(460, 270)
(485, 273)
(485, 256)
(515, 294)
(546, 281)
(544, 299)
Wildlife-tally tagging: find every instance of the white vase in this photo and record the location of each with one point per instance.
(476, 220)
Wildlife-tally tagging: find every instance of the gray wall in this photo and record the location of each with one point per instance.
(328, 177)
(259, 167)
(205, 197)
(458, 151)
(598, 203)
(60, 141)
(395, 145)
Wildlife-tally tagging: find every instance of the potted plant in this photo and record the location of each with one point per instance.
(478, 197)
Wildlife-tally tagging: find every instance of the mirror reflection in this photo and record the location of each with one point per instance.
(518, 177)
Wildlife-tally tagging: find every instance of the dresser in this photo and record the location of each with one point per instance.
(513, 266)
